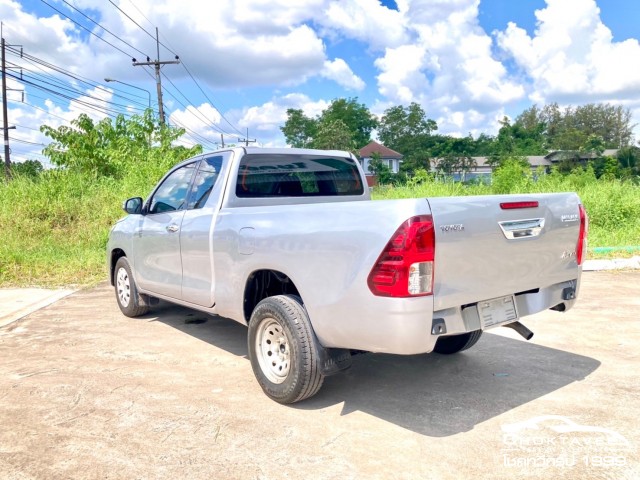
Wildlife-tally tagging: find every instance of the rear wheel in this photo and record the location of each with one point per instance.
(282, 350)
(126, 292)
(457, 343)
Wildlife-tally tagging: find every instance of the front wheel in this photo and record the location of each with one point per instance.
(283, 354)
(457, 343)
(126, 291)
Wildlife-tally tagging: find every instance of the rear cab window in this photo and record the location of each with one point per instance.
(287, 176)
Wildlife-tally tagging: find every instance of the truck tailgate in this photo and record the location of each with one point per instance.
(485, 251)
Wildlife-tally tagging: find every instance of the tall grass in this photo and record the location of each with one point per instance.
(613, 206)
(54, 228)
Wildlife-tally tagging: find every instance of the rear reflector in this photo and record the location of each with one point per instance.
(517, 205)
(405, 266)
(582, 235)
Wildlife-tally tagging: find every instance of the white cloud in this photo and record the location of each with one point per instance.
(202, 125)
(266, 119)
(341, 73)
(402, 76)
(572, 57)
(367, 21)
(28, 118)
(433, 52)
(447, 66)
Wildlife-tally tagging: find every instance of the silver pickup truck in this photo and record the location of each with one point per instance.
(287, 242)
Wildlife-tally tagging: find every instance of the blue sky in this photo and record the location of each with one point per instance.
(467, 62)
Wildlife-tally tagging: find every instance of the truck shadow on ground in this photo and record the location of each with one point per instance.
(434, 395)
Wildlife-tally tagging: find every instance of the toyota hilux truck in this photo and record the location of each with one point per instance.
(288, 242)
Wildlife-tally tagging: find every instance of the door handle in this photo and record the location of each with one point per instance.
(172, 228)
(522, 228)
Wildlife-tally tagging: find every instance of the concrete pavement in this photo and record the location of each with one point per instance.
(16, 303)
(88, 393)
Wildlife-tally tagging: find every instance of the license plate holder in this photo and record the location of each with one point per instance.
(497, 311)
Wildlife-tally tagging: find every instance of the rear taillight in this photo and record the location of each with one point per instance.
(405, 266)
(582, 235)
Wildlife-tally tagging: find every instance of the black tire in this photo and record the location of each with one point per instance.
(282, 350)
(457, 343)
(127, 294)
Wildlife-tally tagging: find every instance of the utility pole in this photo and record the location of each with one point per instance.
(247, 140)
(5, 117)
(222, 139)
(157, 64)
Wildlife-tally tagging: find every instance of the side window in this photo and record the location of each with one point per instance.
(204, 182)
(171, 195)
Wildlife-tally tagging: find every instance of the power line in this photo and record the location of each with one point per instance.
(23, 126)
(104, 28)
(210, 101)
(102, 109)
(85, 28)
(67, 89)
(58, 82)
(184, 65)
(33, 79)
(81, 108)
(27, 142)
(43, 110)
(199, 139)
(141, 27)
(200, 116)
(157, 63)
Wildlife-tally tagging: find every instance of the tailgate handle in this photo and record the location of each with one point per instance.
(515, 229)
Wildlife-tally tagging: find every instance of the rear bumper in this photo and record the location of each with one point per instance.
(403, 326)
(461, 320)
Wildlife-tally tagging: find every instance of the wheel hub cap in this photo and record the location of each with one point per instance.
(273, 351)
(123, 287)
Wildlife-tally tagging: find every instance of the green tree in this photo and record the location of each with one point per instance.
(511, 176)
(405, 129)
(570, 128)
(28, 168)
(356, 116)
(334, 135)
(629, 161)
(108, 147)
(299, 130)
(342, 115)
(454, 156)
(380, 169)
(523, 137)
(606, 167)
(484, 145)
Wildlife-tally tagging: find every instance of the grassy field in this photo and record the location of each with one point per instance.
(55, 228)
(613, 206)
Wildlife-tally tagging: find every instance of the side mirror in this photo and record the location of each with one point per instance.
(133, 206)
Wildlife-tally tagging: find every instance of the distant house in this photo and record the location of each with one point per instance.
(390, 157)
(483, 169)
(559, 155)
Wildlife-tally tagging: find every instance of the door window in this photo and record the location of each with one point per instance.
(204, 182)
(171, 195)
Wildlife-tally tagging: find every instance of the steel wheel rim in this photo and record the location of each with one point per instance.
(273, 350)
(123, 286)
